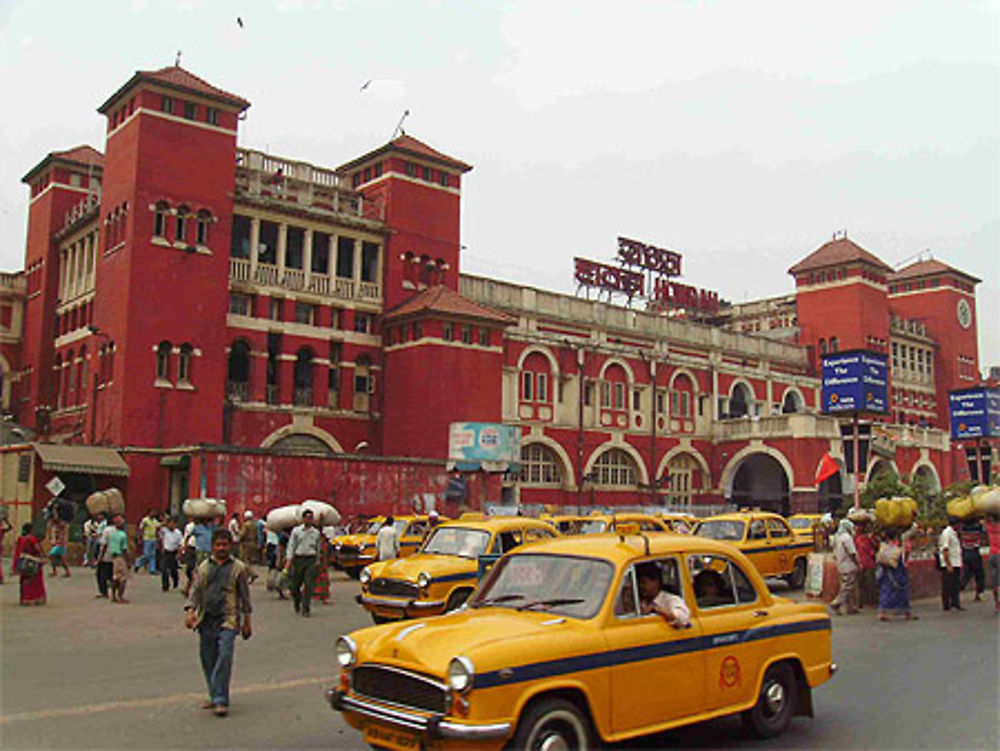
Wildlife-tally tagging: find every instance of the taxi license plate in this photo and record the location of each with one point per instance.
(398, 740)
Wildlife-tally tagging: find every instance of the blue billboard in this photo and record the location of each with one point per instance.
(855, 381)
(975, 413)
(479, 445)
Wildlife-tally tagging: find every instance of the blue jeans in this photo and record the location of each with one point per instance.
(148, 557)
(217, 648)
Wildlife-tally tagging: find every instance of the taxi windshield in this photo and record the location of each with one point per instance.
(400, 526)
(567, 585)
(800, 523)
(460, 541)
(374, 527)
(593, 527)
(722, 529)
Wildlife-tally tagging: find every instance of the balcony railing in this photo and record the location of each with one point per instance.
(271, 393)
(303, 396)
(238, 391)
(804, 425)
(269, 275)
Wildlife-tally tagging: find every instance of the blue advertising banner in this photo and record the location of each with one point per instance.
(474, 445)
(975, 413)
(855, 381)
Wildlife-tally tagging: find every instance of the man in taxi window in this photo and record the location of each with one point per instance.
(653, 599)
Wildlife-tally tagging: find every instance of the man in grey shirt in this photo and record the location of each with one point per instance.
(300, 561)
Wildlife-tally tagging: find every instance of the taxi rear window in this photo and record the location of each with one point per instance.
(722, 529)
(594, 527)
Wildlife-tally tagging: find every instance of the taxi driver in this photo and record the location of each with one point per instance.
(653, 599)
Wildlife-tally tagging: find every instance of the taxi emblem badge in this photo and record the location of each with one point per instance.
(729, 673)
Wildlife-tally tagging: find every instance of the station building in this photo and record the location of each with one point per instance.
(198, 318)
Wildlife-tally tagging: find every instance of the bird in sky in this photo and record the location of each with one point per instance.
(239, 22)
(366, 85)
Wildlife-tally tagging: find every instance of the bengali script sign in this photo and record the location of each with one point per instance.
(649, 257)
(611, 278)
(855, 381)
(975, 413)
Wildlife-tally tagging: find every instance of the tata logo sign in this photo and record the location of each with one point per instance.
(975, 413)
(855, 381)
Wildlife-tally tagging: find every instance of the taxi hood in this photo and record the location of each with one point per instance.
(491, 638)
(409, 568)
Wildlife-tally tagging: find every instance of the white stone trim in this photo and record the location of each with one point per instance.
(54, 184)
(755, 447)
(569, 475)
(542, 350)
(618, 441)
(684, 447)
(306, 427)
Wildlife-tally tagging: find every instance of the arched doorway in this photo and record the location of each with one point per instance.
(760, 481)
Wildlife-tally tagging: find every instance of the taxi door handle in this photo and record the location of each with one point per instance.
(759, 613)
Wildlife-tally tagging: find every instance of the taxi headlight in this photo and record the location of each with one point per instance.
(364, 577)
(460, 674)
(347, 651)
(423, 580)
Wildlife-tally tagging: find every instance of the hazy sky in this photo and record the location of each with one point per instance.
(741, 134)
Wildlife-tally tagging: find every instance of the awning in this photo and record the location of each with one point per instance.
(176, 461)
(93, 460)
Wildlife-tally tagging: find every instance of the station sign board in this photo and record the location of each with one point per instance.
(855, 381)
(478, 442)
(975, 413)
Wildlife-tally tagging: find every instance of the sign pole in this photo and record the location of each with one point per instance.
(857, 465)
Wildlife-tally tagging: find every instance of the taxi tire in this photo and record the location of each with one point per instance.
(797, 579)
(547, 720)
(779, 695)
(457, 599)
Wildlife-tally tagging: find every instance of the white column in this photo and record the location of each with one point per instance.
(357, 264)
(282, 246)
(254, 246)
(307, 256)
(331, 259)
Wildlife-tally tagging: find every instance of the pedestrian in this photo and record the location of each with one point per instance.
(993, 562)
(274, 571)
(970, 536)
(846, 556)
(864, 543)
(202, 533)
(219, 607)
(148, 536)
(188, 555)
(387, 540)
(893, 579)
(57, 535)
(248, 543)
(105, 567)
(321, 591)
(234, 528)
(89, 535)
(5, 527)
(29, 563)
(118, 548)
(300, 562)
(170, 545)
(950, 549)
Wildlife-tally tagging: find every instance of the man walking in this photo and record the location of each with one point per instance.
(951, 561)
(387, 541)
(300, 562)
(218, 608)
(846, 555)
(170, 544)
(118, 548)
(104, 564)
(248, 543)
(149, 529)
(970, 536)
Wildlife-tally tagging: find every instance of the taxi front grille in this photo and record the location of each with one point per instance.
(348, 550)
(400, 688)
(393, 588)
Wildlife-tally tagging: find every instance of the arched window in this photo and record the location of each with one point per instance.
(184, 363)
(822, 346)
(792, 402)
(536, 378)
(238, 374)
(303, 377)
(615, 467)
(160, 212)
(163, 361)
(182, 224)
(204, 221)
(364, 383)
(682, 479)
(614, 387)
(540, 465)
(682, 397)
(834, 345)
(58, 368)
(81, 384)
(741, 401)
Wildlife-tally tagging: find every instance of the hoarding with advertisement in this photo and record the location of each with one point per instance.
(975, 413)
(855, 381)
(483, 443)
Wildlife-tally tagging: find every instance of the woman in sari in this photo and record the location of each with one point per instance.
(29, 562)
(321, 590)
(893, 579)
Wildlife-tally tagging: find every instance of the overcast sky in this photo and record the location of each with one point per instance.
(741, 134)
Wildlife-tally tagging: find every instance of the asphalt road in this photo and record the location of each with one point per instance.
(84, 673)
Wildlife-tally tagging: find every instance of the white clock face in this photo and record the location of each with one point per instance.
(964, 311)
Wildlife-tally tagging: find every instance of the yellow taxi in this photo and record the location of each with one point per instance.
(443, 574)
(567, 524)
(803, 525)
(766, 539)
(596, 524)
(351, 553)
(557, 650)
(681, 523)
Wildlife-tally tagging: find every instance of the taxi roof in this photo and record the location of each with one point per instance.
(497, 523)
(742, 516)
(612, 547)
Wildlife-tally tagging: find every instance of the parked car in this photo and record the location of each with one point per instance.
(599, 523)
(553, 651)
(442, 575)
(353, 552)
(803, 526)
(766, 539)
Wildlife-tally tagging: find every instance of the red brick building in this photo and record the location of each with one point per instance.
(238, 324)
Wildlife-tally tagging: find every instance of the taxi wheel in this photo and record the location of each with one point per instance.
(779, 695)
(797, 578)
(457, 599)
(553, 725)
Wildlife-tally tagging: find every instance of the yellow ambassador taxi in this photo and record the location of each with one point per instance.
(596, 524)
(803, 526)
(442, 575)
(555, 651)
(351, 553)
(766, 539)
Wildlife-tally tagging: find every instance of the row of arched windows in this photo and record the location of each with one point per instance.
(167, 370)
(181, 224)
(72, 372)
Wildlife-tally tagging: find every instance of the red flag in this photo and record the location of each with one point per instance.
(827, 468)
